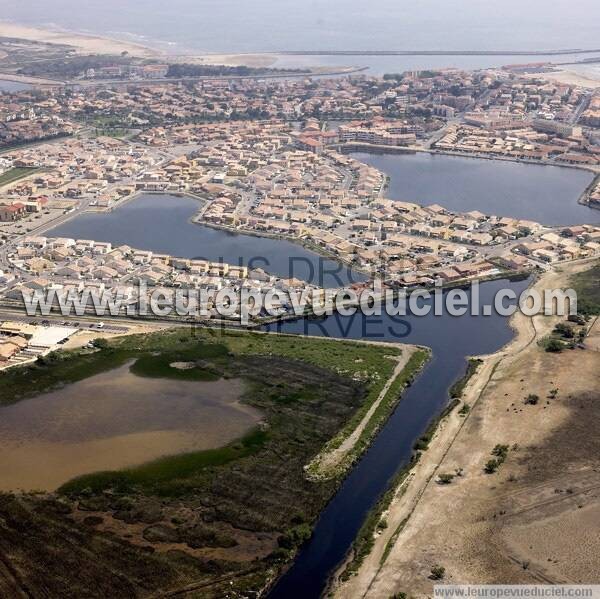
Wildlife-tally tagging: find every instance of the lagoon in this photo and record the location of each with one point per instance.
(543, 193)
(114, 420)
(161, 223)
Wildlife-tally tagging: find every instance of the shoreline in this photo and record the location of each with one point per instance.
(81, 42)
(90, 43)
(419, 473)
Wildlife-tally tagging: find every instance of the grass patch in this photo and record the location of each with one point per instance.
(458, 387)
(14, 174)
(157, 476)
(379, 416)
(587, 286)
(160, 365)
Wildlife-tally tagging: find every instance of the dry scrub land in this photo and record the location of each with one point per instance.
(535, 518)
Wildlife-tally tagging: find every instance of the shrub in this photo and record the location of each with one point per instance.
(438, 572)
(553, 346)
(465, 409)
(532, 399)
(500, 451)
(565, 330)
(445, 478)
(295, 537)
(491, 466)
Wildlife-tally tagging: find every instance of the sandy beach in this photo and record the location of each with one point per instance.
(96, 44)
(83, 44)
(571, 78)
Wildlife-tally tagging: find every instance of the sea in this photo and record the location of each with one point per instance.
(233, 26)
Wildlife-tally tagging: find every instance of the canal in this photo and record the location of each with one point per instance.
(452, 340)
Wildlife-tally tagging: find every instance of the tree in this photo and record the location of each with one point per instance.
(554, 346)
(438, 572)
(100, 343)
(532, 399)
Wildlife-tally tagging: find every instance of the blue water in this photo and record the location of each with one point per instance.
(546, 194)
(452, 340)
(275, 25)
(13, 86)
(161, 223)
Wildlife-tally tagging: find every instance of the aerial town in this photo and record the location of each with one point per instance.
(299, 300)
(271, 158)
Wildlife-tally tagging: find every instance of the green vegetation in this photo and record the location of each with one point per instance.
(380, 414)
(438, 572)
(422, 443)
(157, 476)
(465, 409)
(251, 491)
(160, 365)
(587, 286)
(491, 466)
(566, 335)
(500, 452)
(445, 478)
(553, 345)
(458, 387)
(179, 70)
(567, 331)
(14, 174)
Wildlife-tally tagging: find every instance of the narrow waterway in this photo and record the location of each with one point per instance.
(453, 340)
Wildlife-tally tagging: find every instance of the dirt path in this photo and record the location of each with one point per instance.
(329, 461)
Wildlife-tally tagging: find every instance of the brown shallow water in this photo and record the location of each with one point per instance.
(114, 420)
